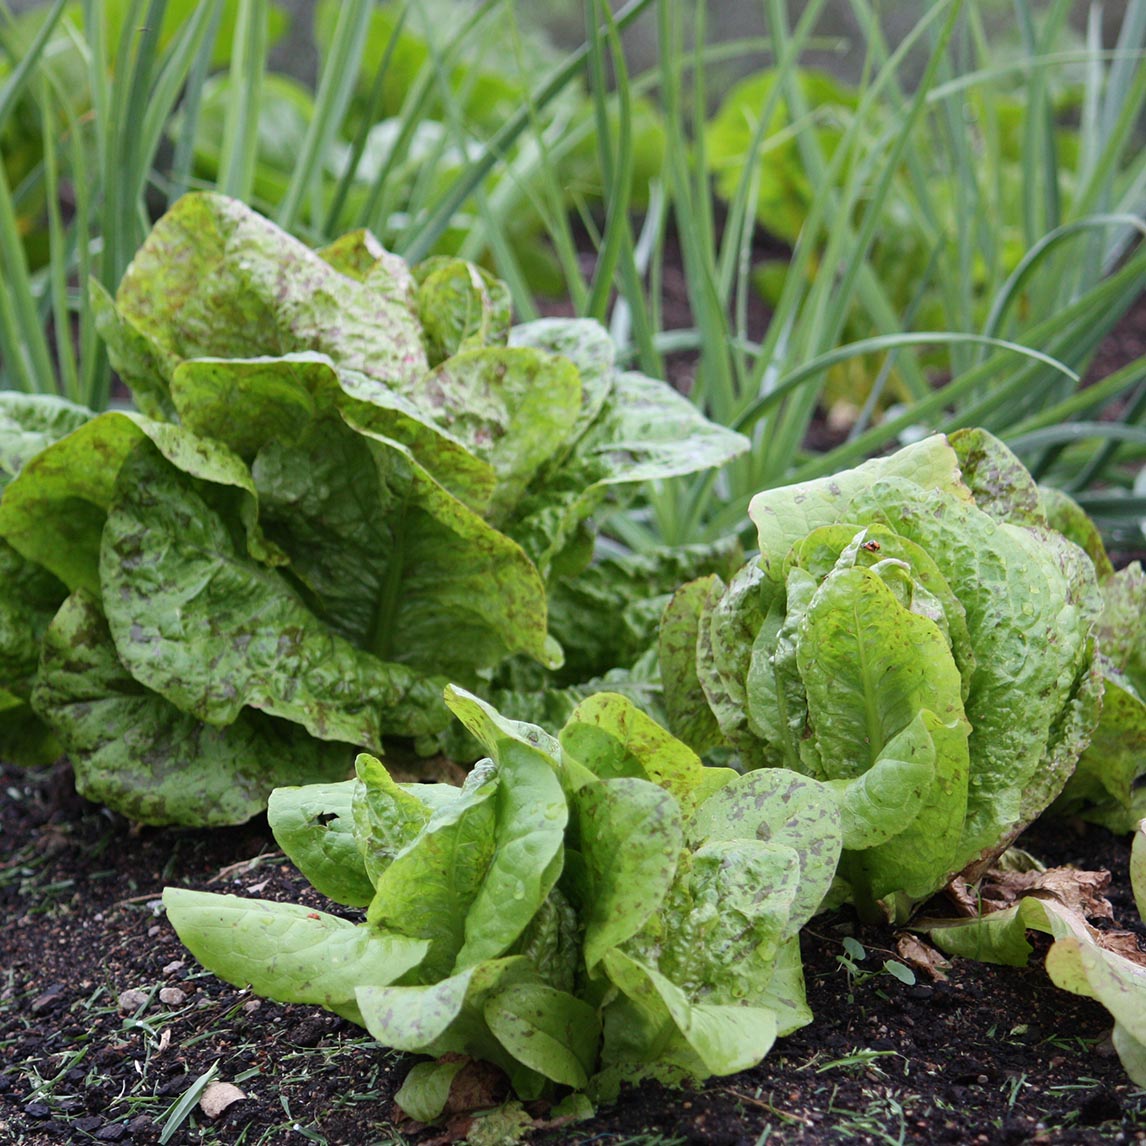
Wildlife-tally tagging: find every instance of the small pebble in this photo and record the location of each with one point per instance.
(131, 1000)
(172, 996)
(173, 966)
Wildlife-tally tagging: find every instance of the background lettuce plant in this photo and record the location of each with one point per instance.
(351, 480)
(914, 634)
(584, 910)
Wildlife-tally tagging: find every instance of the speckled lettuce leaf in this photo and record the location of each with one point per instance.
(883, 695)
(1071, 520)
(25, 740)
(199, 622)
(511, 406)
(1030, 602)
(689, 715)
(1121, 630)
(30, 423)
(54, 512)
(779, 806)
(251, 403)
(549, 1031)
(1000, 484)
(29, 598)
(429, 887)
(288, 952)
(645, 431)
(783, 516)
(461, 307)
(360, 256)
(314, 826)
(1104, 788)
(718, 652)
(392, 561)
(725, 917)
(215, 279)
(612, 737)
(702, 1038)
(137, 753)
(386, 816)
(630, 834)
(587, 344)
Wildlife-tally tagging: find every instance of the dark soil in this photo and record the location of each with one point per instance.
(993, 1055)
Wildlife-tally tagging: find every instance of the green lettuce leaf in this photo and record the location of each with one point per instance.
(55, 511)
(214, 279)
(314, 826)
(136, 752)
(630, 834)
(429, 887)
(612, 737)
(214, 632)
(289, 952)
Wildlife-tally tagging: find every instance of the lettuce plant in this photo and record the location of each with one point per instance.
(585, 909)
(914, 634)
(349, 481)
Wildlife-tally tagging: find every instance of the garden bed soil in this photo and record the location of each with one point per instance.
(991, 1055)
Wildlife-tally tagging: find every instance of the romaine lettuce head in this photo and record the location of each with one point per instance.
(586, 908)
(916, 636)
(349, 481)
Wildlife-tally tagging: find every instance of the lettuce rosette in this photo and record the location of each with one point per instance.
(915, 635)
(348, 481)
(586, 909)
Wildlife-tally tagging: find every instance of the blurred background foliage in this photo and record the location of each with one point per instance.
(837, 227)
